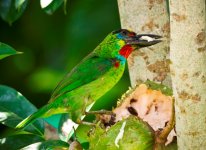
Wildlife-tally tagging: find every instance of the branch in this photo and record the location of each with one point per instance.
(188, 69)
(147, 17)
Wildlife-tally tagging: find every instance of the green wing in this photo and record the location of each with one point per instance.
(90, 69)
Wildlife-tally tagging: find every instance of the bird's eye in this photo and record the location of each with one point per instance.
(124, 32)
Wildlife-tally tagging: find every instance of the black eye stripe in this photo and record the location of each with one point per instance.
(116, 31)
(123, 31)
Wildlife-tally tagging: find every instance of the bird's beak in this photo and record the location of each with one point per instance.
(144, 40)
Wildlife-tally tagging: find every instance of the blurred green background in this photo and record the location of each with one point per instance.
(54, 44)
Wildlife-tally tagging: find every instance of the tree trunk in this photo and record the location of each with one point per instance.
(147, 16)
(188, 69)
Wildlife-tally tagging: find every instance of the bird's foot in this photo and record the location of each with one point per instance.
(99, 112)
(86, 123)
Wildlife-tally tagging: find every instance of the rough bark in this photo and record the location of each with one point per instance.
(188, 69)
(148, 16)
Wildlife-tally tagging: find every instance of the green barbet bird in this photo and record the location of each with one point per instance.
(93, 76)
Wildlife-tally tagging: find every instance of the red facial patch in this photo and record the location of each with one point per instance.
(132, 34)
(126, 50)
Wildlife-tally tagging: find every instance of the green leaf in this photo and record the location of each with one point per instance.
(65, 128)
(54, 120)
(19, 3)
(50, 6)
(66, 131)
(9, 12)
(14, 108)
(129, 134)
(48, 145)
(156, 86)
(18, 141)
(6, 50)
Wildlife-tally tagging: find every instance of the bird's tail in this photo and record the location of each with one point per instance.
(40, 113)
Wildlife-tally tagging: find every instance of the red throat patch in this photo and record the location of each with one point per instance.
(126, 50)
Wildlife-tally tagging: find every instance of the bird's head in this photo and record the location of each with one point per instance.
(121, 43)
